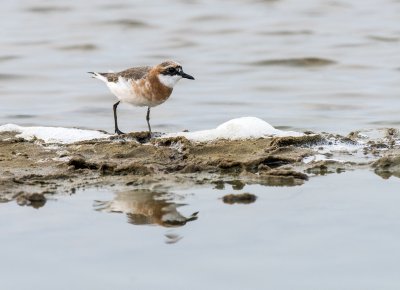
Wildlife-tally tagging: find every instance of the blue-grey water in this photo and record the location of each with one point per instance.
(249, 57)
(337, 232)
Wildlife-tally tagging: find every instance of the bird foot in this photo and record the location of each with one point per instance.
(119, 132)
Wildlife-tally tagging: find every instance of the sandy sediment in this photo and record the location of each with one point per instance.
(35, 167)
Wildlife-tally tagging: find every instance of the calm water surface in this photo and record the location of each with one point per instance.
(319, 65)
(334, 232)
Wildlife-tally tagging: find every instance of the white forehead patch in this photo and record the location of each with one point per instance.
(169, 81)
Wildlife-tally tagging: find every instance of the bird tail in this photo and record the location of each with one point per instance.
(99, 76)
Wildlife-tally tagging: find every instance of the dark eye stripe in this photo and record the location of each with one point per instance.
(172, 71)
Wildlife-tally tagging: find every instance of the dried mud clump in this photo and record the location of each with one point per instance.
(79, 162)
(244, 198)
(283, 177)
(325, 167)
(133, 168)
(312, 139)
(387, 166)
(35, 200)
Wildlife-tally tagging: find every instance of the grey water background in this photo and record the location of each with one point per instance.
(307, 65)
(336, 232)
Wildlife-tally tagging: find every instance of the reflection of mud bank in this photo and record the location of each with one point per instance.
(33, 166)
(239, 198)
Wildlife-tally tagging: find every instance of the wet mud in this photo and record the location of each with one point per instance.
(388, 166)
(33, 169)
(244, 198)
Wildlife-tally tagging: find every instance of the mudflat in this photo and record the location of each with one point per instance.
(33, 167)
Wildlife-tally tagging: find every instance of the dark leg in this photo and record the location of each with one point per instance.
(115, 119)
(148, 119)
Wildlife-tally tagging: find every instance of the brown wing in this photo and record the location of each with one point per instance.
(134, 73)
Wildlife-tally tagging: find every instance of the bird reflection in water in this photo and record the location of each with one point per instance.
(146, 207)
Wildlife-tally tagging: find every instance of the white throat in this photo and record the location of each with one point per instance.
(169, 81)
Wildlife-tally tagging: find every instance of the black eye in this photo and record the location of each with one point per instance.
(171, 70)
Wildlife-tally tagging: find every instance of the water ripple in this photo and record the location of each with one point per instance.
(48, 9)
(9, 77)
(287, 32)
(296, 62)
(8, 57)
(79, 47)
(128, 23)
(21, 116)
(384, 38)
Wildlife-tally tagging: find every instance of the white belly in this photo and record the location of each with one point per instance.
(123, 90)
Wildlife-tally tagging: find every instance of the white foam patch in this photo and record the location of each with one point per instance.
(338, 146)
(53, 134)
(236, 129)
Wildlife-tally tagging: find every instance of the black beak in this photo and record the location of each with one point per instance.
(186, 76)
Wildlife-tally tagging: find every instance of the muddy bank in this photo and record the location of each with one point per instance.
(388, 166)
(36, 167)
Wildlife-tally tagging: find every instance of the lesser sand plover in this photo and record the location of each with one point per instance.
(143, 86)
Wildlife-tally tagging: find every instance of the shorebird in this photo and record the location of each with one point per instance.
(143, 86)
